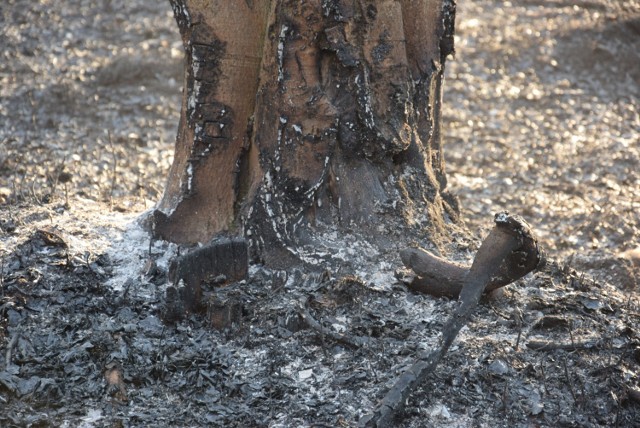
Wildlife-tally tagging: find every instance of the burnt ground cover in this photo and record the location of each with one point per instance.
(541, 118)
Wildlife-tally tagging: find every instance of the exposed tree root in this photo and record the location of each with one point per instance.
(440, 277)
(505, 253)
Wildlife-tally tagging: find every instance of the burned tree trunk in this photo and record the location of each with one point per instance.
(305, 117)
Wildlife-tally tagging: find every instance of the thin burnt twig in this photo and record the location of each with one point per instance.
(353, 342)
(569, 381)
(114, 175)
(7, 355)
(547, 345)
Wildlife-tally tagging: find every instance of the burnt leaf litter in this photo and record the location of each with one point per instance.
(88, 334)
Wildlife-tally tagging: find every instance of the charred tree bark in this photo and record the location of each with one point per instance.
(301, 117)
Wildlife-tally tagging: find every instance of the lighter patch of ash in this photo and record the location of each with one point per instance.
(189, 177)
(283, 33)
(130, 249)
(339, 249)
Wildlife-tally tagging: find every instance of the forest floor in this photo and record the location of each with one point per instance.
(541, 117)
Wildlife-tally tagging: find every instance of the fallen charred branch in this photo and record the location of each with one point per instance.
(441, 277)
(511, 235)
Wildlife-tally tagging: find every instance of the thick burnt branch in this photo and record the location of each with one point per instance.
(440, 277)
(494, 259)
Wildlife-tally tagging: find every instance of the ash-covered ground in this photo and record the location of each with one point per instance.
(541, 118)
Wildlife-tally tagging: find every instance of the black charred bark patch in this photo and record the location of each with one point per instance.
(225, 257)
